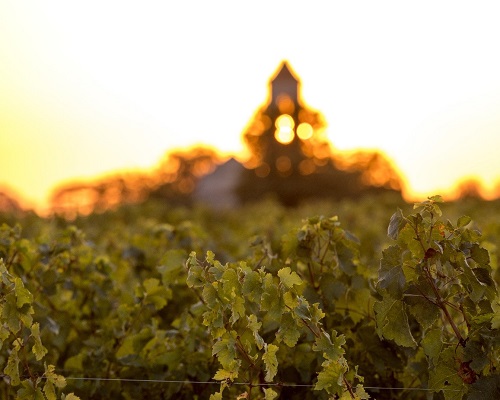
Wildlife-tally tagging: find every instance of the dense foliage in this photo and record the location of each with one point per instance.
(353, 300)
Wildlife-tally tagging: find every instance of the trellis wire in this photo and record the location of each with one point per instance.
(95, 379)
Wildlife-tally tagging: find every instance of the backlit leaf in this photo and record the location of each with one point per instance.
(289, 278)
(288, 331)
(39, 349)
(270, 361)
(387, 312)
(391, 275)
(23, 295)
(395, 224)
(331, 348)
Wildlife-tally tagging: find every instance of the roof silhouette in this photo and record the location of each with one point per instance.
(285, 82)
(285, 73)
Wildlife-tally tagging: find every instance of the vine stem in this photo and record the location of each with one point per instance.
(311, 276)
(242, 350)
(349, 387)
(442, 305)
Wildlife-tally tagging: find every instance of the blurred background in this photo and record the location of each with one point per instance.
(228, 102)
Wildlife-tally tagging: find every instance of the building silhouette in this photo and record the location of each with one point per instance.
(291, 159)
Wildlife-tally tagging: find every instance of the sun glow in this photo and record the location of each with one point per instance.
(79, 103)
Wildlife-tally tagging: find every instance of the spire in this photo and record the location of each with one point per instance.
(285, 82)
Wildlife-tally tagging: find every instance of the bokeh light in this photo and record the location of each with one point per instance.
(284, 129)
(304, 131)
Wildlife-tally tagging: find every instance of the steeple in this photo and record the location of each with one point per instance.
(284, 83)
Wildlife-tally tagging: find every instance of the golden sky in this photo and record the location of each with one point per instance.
(89, 87)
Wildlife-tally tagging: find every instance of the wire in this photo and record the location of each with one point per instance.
(242, 383)
(194, 382)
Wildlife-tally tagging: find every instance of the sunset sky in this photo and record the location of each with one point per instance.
(91, 87)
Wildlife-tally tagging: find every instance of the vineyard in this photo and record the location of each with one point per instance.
(365, 299)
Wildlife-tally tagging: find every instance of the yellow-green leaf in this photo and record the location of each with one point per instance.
(12, 368)
(270, 361)
(23, 295)
(289, 278)
(38, 349)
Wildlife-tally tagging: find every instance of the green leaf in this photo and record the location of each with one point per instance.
(288, 332)
(486, 387)
(392, 322)
(39, 349)
(195, 275)
(49, 390)
(463, 221)
(216, 396)
(172, 264)
(254, 326)
(12, 368)
(469, 280)
(156, 294)
(222, 375)
(252, 286)
(270, 361)
(408, 240)
(436, 198)
(29, 392)
(432, 343)
(272, 302)
(230, 284)
(330, 377)
(51, 376)
(396, 222)
(480, 255)
(237, 309)
(75, 363)
(444, 377)
(225, 350)
(330, 350)
(361, 393)
(495, 321)
(10, 313)
(69, 396)
(23, 295)
(269, 394)
(209, 294)
(425, 312)
(391, 274)
(289, 278)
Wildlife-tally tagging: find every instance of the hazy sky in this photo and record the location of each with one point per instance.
(89, 87)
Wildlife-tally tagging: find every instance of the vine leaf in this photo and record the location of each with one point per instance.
(289, 278)
(23, 295)
(444, 377)
(487, 387)
(12, 368)
(52, 381)
(29, 392)
(270, 394)
(391, 274)
(395, 224)
(270, 361)
(254, 326)
(225, 350)
(392, 322)
(38, 349)
(330, 350)
(222, 375)
(288, 331)
(330, 377)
